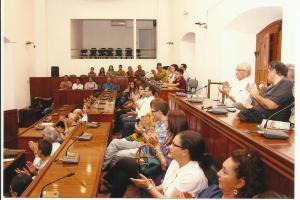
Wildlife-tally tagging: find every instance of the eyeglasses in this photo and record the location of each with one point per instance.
(175, 145)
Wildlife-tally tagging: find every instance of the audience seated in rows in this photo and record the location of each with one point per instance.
(171, 73)
(77, 85)
(139, 72)
(101, 72)
(110, 72)
(241, 176)
(273, 100)
(186, 173)
(142, 108)
(91, 84)
(185, 74)
(165, 130)
(66, 84)
(179, 81)
(109, 85)
(120, 72)
(19, 184)
(92, 73)
(161, 74)
(130, 72)
(237, 92)
(43, 152)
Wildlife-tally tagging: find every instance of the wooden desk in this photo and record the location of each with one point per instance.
(224, 134)
(62, 97)
(10, 128)
(161, 92)
(32, 134)
(84, 184)
(105, 114)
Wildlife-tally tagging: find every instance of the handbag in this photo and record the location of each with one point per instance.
(148, 163)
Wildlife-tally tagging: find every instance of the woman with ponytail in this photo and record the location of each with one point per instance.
(185, 173)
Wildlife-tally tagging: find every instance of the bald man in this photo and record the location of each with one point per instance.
(237, 93)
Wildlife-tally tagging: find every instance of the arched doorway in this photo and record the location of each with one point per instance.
(187, 51)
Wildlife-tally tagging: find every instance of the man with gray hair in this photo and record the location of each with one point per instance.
(238, 93)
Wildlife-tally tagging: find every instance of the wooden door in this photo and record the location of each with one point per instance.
(268, 48)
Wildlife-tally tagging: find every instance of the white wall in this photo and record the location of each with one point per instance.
(76, 34)
(98, 34)
(18, 57)
(59, 15)
(231, 33)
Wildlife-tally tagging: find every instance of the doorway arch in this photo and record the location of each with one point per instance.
(187, 50)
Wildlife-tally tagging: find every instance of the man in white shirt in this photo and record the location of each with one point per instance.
(142, 108)
(238, 93)
(77, 85)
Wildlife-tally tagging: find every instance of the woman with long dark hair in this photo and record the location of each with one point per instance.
(186, 173)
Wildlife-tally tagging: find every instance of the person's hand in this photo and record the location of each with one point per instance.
(153, 139)
(33, 146)
(31, 168)
(262, 86)
(142, 182)
(23, 171)
(61, 117)
(185, 195)
(252, 89)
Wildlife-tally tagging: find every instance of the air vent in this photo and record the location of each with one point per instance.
(118, 22)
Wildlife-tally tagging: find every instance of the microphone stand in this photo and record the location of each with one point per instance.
(274, 114)
(198, 90)
(67, 175)
(73, 143)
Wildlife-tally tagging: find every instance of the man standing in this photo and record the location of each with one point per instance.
(238, 93)
(276, 99)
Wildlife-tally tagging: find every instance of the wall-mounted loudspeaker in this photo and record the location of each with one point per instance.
(54, 71)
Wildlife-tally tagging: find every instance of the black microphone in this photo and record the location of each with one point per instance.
(73, 142)
(279, 111)
(67, 175)
(205, 86)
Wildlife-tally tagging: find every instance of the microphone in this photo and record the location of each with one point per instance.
(205, 86)
(274, 134)
(73, 143)
(279, 111)
(67, 175)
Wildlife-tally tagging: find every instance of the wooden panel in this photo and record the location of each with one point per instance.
(46, 86)
(84, 184)
(225, 133)
(11, 128)
(40, 87)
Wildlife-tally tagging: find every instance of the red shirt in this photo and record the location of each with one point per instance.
(182, 83)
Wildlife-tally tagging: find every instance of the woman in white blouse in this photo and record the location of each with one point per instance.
(185, 173)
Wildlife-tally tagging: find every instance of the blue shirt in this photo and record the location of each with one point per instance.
(109, 86)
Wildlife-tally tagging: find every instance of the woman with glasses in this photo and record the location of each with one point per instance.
(186, 173)
(127, 168)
